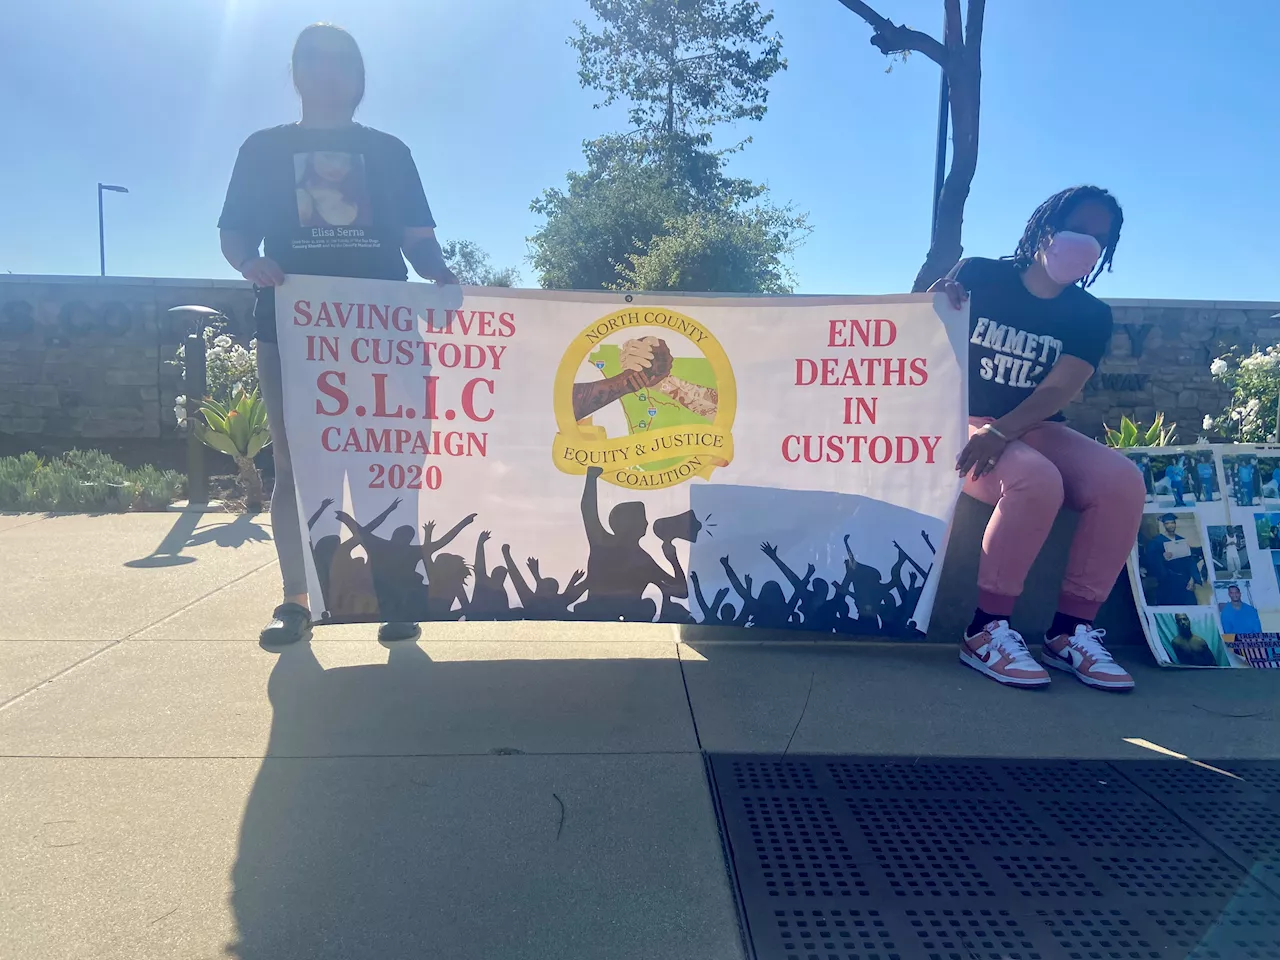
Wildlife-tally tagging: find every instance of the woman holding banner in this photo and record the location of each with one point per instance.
(324, 196)
(1035, 338)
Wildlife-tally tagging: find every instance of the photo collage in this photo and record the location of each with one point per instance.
(1206, 566)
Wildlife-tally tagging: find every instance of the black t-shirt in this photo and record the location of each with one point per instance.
(330, 203)
(1015, 337)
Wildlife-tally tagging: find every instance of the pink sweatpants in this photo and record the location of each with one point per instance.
(1048, 466)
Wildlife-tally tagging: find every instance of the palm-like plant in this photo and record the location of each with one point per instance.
(1132, 434)
(240, 431)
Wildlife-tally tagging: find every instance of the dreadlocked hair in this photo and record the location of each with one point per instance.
(1053, 213)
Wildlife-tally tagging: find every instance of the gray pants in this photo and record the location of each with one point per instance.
(285, 529)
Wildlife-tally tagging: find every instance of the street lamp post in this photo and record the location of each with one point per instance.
(940, 157)
(102, 243)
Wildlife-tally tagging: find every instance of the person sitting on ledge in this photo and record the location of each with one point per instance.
(1035, 338)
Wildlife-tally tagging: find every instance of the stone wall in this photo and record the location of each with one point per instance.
(1159, 361)
(82, 359)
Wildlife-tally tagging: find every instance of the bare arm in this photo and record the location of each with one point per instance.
(590, 397)
(704, 401)
(1058, 388)
(481, 572)
(675, 585)
(357, 531)
(377, 521)
(315, 517)
(697, 595)
(743, 592)
(241, 251)
(449, 537)
(591, 507)
(574, 589)
(422, 250)
(771, 552)
(522, 588)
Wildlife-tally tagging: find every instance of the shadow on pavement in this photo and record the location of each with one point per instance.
(447, 839)
(168, 553)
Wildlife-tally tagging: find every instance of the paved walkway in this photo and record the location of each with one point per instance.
(168, 789)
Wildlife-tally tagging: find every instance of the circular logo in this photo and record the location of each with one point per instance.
(647, 395)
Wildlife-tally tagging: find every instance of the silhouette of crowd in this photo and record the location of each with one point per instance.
(399, 579)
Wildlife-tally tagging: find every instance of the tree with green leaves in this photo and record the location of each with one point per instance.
(735, 251)
(471, 265)
(684, 66)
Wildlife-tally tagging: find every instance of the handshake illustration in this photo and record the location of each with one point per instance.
(646, 364)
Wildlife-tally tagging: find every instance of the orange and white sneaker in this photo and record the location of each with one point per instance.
(1084, 655)
(999, 652)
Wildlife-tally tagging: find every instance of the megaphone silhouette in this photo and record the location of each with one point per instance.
(683, 526)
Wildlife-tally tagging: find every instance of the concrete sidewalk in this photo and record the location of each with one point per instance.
(170, 789)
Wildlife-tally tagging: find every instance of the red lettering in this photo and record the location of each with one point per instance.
(806, 373)
(402, 319)
(930, 445)
(918, 370)
(468, 400)
(834, 329)
(301, 308)
(325, 384)
(380, 398)
(506, 321)
(325, 435)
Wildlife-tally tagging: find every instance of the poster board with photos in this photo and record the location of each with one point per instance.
(1205, 569)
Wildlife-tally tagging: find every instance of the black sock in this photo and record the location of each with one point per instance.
(980, 620)
(1065, 625)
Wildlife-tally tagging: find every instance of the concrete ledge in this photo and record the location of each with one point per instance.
(958, 591)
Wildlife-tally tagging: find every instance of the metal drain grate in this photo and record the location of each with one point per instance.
(857, 858)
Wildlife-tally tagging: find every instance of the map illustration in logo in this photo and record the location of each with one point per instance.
(648, 396)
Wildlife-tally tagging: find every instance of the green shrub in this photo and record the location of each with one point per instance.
(83, 481)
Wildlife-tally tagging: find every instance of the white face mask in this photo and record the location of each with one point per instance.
(1069, 256)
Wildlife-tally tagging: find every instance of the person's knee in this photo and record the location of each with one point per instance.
(1118, 484)
(1038, 480)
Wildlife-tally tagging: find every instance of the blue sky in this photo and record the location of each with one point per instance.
(1170, 107)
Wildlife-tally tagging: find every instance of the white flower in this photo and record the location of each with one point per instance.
(1218, 367)
(1207, 423)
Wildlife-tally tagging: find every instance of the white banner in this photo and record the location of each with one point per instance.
(1206, 568)
(482, 453)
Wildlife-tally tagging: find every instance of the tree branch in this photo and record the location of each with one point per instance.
(889, 37)
(973, 30)
(953, 29)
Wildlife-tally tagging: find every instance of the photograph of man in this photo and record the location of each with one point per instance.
(1268, 527)
(1236, 614)
(1171, 556)
(1143, 462)
(1206, 478)
(1243, 481)
(1191, 639)
(1176, 474)
(1269, 478)
(1230, 557)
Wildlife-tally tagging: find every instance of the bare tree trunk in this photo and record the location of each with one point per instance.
(946, 248)
(960, 57)
(250, 483)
